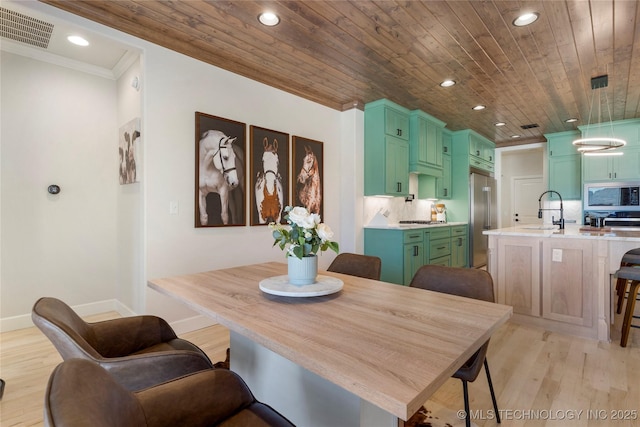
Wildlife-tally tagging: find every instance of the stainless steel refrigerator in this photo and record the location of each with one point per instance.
(483, 215)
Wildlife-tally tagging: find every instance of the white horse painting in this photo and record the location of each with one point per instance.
(269, 194)
(218, 172)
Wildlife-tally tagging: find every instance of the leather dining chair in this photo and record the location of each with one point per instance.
(81, 393)
(366, 266)
(470, 283)
(139, 351)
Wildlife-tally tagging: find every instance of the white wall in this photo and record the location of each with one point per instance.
(171, 97)
(58, 127)
(130, 203)
(99, 240)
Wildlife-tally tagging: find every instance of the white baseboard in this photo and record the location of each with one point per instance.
(181, 326)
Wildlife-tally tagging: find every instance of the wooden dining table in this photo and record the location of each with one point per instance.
(370, 354)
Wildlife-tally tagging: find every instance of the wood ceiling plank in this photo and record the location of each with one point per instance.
(298, 67)
(623, 37)
(335, 52)
(632, 109)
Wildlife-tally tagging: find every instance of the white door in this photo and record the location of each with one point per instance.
(525, 192)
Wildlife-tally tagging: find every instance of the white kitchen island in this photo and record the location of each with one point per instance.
(560, 280)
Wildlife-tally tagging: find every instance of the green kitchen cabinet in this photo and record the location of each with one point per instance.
(612, 168)
(439, 246)
(481, 152)
(565, 165)
(623, 167)
(401, 252)
(459, 246)
(443, 184)
(386, 149)
(425, 142)
(430, 187)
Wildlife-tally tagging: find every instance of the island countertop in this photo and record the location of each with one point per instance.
(573, 231)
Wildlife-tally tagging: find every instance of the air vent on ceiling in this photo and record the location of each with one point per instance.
(24, 29)
(530, 126)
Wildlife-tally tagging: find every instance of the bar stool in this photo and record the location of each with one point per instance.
(632, 275)
(630, 259)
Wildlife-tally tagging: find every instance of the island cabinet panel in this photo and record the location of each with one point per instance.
(519, 274)
(568, 281)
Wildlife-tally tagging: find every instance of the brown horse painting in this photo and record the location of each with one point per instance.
(309, 191)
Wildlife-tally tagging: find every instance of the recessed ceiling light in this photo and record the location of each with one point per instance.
(515, 136)
(526, 19)
(77, 40)
(498, 124)
(571, 120)
(448, 83)
(269, 19)
(479, 107)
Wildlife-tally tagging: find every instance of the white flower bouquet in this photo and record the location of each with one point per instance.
(306, 236)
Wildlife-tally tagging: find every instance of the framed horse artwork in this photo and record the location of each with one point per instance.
(308, 174)
(220, 172)
(269, 180)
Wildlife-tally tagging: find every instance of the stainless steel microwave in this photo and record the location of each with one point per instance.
(611, 196)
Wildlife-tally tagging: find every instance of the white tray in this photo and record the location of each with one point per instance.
(279, 285)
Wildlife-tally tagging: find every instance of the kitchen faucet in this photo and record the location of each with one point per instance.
(560, 222)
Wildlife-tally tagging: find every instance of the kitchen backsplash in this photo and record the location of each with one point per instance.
(397, 207)
(572, 211)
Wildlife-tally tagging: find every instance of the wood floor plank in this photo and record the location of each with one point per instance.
(532, 370)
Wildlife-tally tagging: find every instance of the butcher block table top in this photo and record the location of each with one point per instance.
(391, 345)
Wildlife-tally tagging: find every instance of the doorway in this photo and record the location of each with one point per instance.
(525, 191)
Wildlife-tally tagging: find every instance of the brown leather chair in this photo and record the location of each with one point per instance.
(470, 283)
(631, 275)
(139, 351)
(80, 393)
(366, 266)
(629, 259)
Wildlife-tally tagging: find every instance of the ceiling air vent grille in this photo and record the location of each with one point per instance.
(530, 126)
(24, 29)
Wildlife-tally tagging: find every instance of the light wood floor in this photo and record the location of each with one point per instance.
(541, 378)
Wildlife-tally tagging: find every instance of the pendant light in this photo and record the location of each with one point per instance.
(601, 145)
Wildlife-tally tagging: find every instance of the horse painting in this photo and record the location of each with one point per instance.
(218, 173)
(269, 194)
(309, 191)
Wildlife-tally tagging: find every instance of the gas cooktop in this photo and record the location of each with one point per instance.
(414, 221)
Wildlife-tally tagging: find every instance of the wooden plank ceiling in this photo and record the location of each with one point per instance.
(346, 53)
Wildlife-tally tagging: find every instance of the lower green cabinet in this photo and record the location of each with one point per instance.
(459, 246)
(403, 252)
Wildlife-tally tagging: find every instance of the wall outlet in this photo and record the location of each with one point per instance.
(556, 255)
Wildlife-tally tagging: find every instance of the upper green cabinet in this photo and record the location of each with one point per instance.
(438, 187)
(386, 149)
(480, 150)
(564, 165)
(614, 168)
(425, 143)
